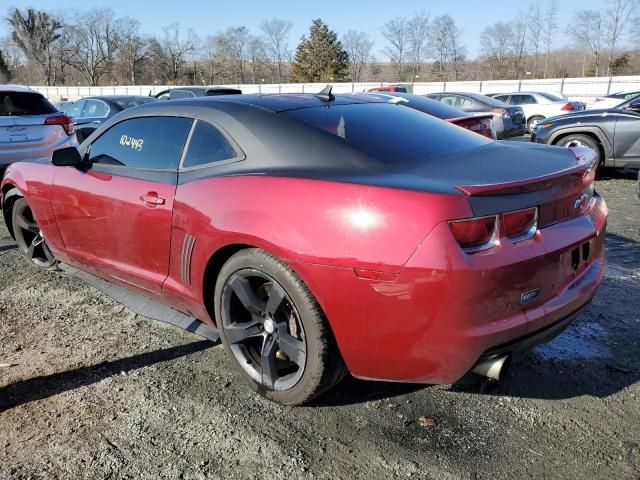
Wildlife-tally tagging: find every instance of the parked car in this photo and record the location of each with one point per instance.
(613, 100)
(391, 88)
(612, 133)
(538, 105)
(481, 124)
(366, 237)
(193, 92)
(91, 112)
(30, 127)
(62, 106)
(508, 121)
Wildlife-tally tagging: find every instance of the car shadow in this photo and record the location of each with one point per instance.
(618, 173)
(354, 391)
(38, 388)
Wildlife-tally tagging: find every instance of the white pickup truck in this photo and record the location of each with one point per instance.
(539, 105)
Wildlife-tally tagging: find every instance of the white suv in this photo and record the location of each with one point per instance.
(30, 127)
(539, 105)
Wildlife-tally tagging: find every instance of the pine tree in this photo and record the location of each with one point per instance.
(320, 58)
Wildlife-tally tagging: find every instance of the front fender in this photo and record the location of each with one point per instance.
(562, 131)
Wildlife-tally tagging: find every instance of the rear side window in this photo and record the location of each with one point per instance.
(149, 142)
(522, 100)
(176, 94)
(24, 103)
(95, 108)
(389, 134)
(207, 145)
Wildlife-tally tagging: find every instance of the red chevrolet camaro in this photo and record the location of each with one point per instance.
(320, 234)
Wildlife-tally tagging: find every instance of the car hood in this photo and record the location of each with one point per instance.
(581, 114)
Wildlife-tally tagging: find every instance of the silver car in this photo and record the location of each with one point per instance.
(30, 127)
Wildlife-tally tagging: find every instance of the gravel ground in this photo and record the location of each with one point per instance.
(94, 391)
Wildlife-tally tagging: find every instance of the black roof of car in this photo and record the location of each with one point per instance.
(289, 101)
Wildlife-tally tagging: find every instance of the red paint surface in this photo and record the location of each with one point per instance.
(426, 316)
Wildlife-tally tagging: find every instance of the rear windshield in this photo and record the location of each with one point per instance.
(487, 100)
(390, 134)
(133, 102)
(24, 103)
(553, 98)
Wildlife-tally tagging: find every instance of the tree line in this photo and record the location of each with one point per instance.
(98, 47)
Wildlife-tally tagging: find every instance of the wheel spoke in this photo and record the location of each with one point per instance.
(30, 250)
(246, 295)
(268, 362)
(238, 332)
(275, 299)
(47, 252)
(25, 224)
(292, 347)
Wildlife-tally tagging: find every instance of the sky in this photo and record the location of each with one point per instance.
(208, 17)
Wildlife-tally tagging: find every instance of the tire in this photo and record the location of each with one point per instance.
(530, 121)
(274, 330)
(26, 232)
(579, 140)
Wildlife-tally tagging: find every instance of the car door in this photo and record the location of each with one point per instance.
(626, 139)
(114, 217)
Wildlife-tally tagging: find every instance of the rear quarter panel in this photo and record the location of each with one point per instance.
(302, 221)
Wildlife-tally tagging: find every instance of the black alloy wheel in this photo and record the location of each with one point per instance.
(28, 236)
(274, 329)
(263, 329)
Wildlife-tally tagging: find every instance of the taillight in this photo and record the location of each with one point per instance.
(475, 234)
(519, 225)
(568, 107)
(481, 126)
(65, 122)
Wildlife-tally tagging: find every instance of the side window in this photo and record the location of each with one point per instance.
(75, 111)
(522, 100)
(502, 98)
(465, 103)
(450, 100)
(175, 94)
(207, 145)
(148, 142)
(95, 109)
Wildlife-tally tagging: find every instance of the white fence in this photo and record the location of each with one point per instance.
(583, 89)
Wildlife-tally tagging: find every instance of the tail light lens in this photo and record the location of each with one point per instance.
(502, 112)
(65, 122)
(481, 126)
(520, 225)
(568, 107)
(475, 234)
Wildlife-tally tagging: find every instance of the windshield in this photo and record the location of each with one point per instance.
(24, 103)
(390, 134)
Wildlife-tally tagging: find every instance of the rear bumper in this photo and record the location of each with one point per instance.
(446, 310)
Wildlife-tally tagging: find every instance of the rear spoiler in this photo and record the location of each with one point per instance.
(585, 157)
(460, 119)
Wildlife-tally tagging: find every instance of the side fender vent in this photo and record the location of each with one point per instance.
(185, 258)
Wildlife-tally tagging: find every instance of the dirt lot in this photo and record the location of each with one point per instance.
(95, 391)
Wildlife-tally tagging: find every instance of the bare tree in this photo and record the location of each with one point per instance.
(588, 31)
(396, 32)
(550, 26)
(132, 48)
(496, 44)
(618, 18)
(358, 45)
(535, 26)
(519, 28)
(418, 29)
(446, 45)
(94, 35)
(256, 54)
(35, 32)
(276, 34)
(233, 44)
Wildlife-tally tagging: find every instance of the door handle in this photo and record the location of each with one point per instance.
(152, 198)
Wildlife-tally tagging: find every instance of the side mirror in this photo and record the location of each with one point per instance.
(635, 106)
(67, 157)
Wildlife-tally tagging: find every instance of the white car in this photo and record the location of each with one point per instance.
(613, 100)
(539, 105)
(30, 126)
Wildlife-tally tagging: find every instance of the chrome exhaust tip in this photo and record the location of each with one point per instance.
(494, 367)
